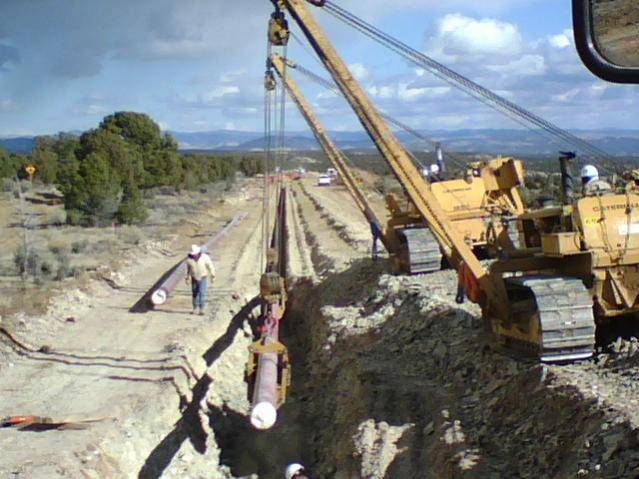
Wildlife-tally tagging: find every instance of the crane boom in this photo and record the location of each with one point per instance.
(334, 154)
(417, 189)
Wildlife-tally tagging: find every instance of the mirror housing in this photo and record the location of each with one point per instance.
(591, 55)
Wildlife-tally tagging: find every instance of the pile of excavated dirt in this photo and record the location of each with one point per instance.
(400, 381)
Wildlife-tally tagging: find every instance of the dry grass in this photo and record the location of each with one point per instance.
(59, 255)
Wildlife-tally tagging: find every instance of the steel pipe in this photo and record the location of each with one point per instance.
(265, 392)
(162, 293)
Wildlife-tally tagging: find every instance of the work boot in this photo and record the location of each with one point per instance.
(201, 312)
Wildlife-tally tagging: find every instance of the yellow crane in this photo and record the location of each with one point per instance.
(580, 266)
(415, 186)
(334, 154)
(481, 204)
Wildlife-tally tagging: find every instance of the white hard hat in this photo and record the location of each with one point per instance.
(195, 250)
(434, 168)
(589, 171)
(293, 469)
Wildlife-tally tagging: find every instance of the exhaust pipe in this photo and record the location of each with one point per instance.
(567, 181)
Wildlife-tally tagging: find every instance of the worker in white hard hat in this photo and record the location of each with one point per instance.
(434, 173)
(296, 471)
(592, 184)
(199, 267)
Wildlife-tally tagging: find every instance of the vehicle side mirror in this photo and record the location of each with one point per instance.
(607, 38)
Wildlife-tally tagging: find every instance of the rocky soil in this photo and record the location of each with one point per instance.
(391, 378)
(404, 383)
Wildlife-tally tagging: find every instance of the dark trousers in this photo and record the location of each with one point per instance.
(198, 291)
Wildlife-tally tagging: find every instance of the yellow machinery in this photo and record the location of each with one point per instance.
(580, 263)
(481, 205)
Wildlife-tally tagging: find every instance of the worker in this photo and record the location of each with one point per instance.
(434, 173)
(199, 267)
(592, 185)
(296, 471)
(377, 235)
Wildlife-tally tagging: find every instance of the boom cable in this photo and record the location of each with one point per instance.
(458, 161)
(489, 98)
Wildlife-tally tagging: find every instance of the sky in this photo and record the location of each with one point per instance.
(198, 65)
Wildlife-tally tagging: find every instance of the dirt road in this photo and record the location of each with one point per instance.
(152, 377)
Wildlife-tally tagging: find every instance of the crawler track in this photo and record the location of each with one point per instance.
(424, 255)
(563, 308)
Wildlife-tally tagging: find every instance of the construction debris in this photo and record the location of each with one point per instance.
(43, 423)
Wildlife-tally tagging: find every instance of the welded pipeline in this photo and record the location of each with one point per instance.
(162, 292)
(266, 397)
(269, 369)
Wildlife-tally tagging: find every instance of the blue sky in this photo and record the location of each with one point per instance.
(197, 65)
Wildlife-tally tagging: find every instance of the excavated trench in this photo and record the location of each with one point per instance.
(393, 379)
(265, 454)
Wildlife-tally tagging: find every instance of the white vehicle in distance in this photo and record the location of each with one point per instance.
(331, 172)
(324, 180)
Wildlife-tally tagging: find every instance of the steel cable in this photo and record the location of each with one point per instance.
(477, 91)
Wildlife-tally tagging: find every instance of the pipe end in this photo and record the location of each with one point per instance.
(158, 297)
(263, 416)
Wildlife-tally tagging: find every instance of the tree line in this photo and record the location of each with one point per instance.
(103, 172)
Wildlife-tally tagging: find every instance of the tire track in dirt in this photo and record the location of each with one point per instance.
(329, 250)
(339, 227)
(300, 260)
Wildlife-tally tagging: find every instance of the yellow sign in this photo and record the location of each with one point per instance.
(30, 169)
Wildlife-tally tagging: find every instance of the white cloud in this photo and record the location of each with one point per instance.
(359, 71)
(562, 40)
(526, 65)
(405, 91)
(95, 109)
(220, 91)
(458, 37)
(380, 8)
(232, 76)
(8, 105)
(566, 96)
(326, 94)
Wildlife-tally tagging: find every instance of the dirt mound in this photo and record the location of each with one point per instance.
(404, 383)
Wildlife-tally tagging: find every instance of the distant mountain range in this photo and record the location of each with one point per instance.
(495, 141)
(21, 144)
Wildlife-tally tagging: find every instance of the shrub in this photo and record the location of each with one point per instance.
(58, 248)
(63, 271)
(58, 218)
(8, 185)
(46, 268)
(19, 259)
(132, 236)
(79, 246)
(27, 262)
(34, 263)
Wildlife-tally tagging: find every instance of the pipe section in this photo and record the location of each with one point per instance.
(265, 392)
(162, 293)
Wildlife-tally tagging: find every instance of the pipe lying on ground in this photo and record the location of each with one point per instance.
(162, 293)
